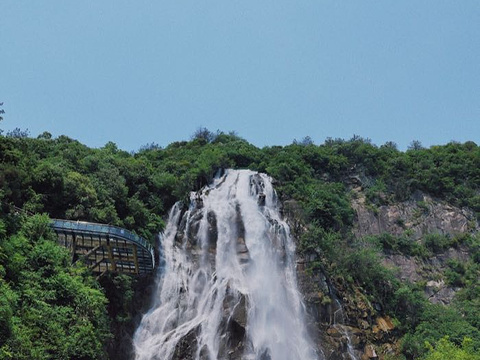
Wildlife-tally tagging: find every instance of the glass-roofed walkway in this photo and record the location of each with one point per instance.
(104, 247)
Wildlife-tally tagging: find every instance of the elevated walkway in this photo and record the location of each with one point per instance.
(104, 247)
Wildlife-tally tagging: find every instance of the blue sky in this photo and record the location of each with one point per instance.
(136, 72)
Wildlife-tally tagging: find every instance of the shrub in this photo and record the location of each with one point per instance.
(436, 243)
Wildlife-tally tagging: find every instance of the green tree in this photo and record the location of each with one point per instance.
(446, 350)
(49, 308)
(1, 115)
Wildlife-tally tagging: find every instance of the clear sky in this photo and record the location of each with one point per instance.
(136, 72)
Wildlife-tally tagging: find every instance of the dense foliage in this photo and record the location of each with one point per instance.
(65, 179)
(446, 350)
(49, 309)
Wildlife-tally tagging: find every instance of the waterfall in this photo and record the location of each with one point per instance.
(339, 324)
(227, 289)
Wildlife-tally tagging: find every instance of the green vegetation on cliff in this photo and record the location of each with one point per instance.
(446, 350)
(49, 309)
(65, 179)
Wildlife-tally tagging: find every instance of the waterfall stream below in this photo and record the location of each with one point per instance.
(227, 288)
(339, 324)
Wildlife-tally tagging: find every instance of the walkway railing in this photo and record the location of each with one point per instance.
(89, 227)
(106, 247)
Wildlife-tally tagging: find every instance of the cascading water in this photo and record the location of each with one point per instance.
(228, 288)
(339, 324)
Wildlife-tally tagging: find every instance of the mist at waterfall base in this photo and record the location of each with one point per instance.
(228, 286)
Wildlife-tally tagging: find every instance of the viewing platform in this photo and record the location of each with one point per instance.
(104, 247)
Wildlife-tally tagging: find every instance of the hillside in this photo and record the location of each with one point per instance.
(392, 236)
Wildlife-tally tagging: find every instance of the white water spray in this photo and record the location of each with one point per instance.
(228, 288)
(339, 324)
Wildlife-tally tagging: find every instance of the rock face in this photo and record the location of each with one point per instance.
(417, 217)
(428, 270)
(421, 215)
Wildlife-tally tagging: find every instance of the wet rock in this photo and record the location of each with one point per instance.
(198, 202)
(193, 227)
(212, 230)
(240, 226)
(242, 251)
(241, 246)
(261, 199)
(334, 332)
(237, 352)
(232, 342)
(239, 314)
(369, 353)
(186, 347)
(356, 339)
(257, 184)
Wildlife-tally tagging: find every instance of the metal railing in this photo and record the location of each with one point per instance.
(95, 228)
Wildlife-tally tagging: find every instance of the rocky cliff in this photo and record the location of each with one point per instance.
(418, 217)
(365, 328)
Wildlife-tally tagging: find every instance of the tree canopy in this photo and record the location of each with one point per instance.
(42, 293)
